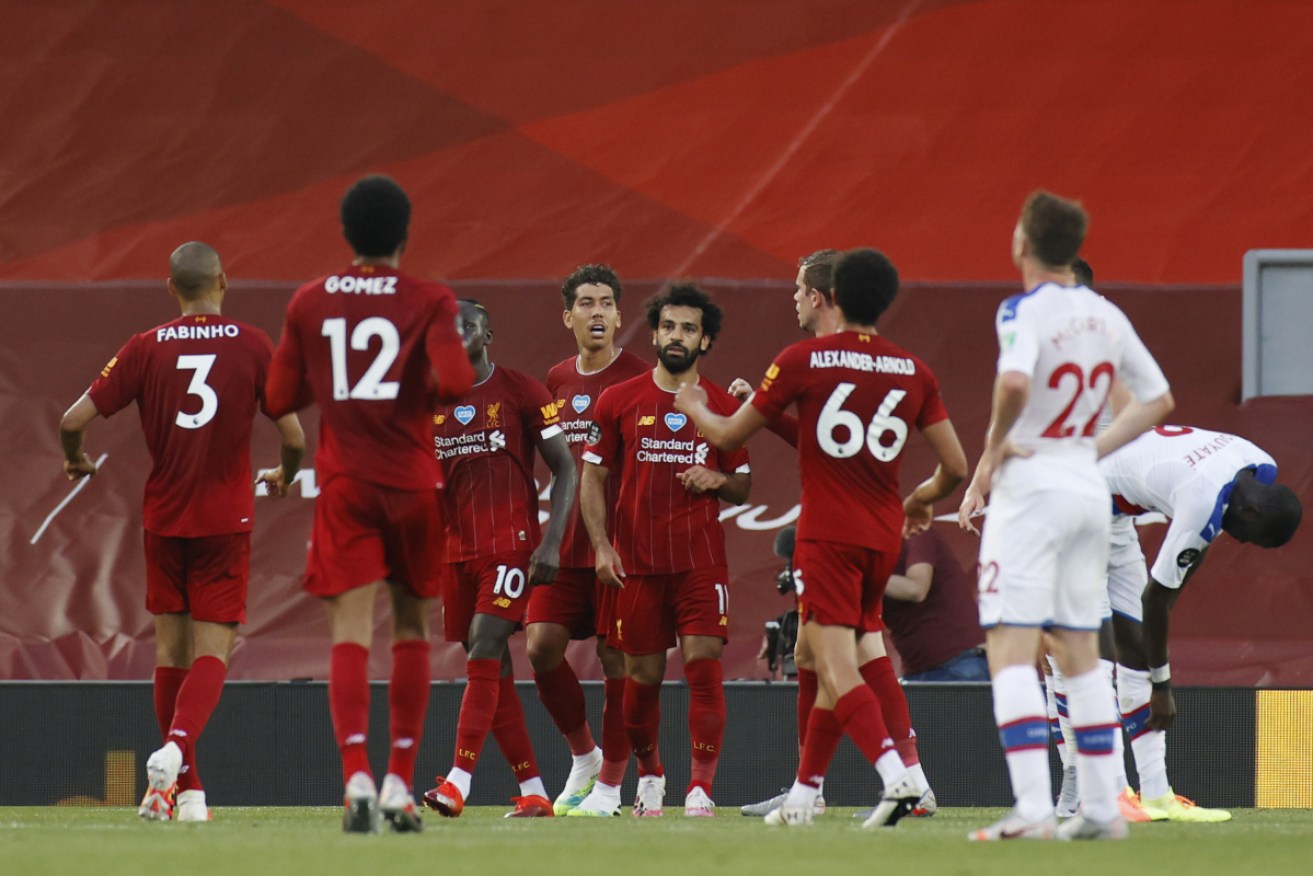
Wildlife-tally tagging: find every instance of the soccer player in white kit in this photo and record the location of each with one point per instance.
(1045, 547)
(1207, 483)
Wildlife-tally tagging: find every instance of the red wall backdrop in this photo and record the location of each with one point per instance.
(713, 138)
(72, 604)
(709, 137)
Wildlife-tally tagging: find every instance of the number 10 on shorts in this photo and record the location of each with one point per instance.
(510, 582)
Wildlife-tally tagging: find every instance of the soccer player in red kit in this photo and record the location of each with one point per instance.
(373, 346)
(494, 554)
(813, 299)
(857, 396)
(198, 382)
(668, 556)
(577, 605)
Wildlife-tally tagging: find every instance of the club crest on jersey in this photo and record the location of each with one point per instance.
(492, 416)
(464, 414)
(675, 422)
(1186, 557)
(580, 403)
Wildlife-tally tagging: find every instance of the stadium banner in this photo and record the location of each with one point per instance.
(72, 569)
(271, 744)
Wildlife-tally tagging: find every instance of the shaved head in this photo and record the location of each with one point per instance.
(194, 268)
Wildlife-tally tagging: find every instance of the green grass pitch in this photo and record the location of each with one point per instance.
(293, 840)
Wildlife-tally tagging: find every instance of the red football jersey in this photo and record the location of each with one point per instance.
(197, 382)
(660, 527)
(858, 397)
(364, 344)
(576, 396)
(485, 444)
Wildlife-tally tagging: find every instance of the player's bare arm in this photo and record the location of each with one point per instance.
(1011, 392)
(726, 433)
(1157, 602)
(913, 586)
(918, 507)
(1132, 421)
(592, 508)
(278, 482)
(72, 427)
(546, 558)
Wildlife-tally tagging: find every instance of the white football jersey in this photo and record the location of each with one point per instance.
(1072, 343)
(1186, 474)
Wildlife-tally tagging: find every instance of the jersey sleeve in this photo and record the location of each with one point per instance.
(542, 417)
(120, 380)
(781, 384)
(1182, 544)
(287, 389)
(1018, 346)
(262, 349)
(933, 409)
(1139, 370)
(918, 549)
(603, 442)
(451, 365)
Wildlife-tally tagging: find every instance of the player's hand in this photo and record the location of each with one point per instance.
(609, 569)
(689, 398)
(544, 563)
(917, 516)
(740, 389)
(700, 479)
(1012, 451)
(1162, 709)
(80, 468)
(275, 485)
(973, 503)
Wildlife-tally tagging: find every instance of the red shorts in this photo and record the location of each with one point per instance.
(205, 576)
(652, 609)
(841, 584)
(497, 585)
(577, 601)
(365, 533)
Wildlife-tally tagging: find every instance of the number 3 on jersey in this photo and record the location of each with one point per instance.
(833, 418)
(200, 367)
(371, 386)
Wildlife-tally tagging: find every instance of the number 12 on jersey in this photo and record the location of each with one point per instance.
(371, 386)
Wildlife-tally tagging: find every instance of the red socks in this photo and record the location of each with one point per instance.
(706, 719)
(167, 681)
(642, 706)
(408, 702)
(880, 678)
(198, 694)
(561, 695)
(615, 740)
(477, 708)
(823, 736)
(348, 702)
(808, 685)
(509, 729)
(858, 713)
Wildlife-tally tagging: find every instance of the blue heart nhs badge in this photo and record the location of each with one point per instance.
(675, 422)
(464, 413)
(580, 403)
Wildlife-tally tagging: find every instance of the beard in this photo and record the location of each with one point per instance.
(680, 364)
